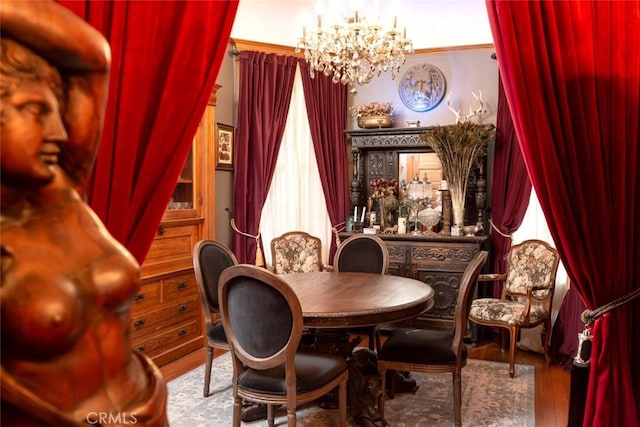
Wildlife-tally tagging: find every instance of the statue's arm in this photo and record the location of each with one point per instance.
(82, 56)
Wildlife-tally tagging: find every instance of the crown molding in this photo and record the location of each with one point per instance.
(241, 45)
(256, 46)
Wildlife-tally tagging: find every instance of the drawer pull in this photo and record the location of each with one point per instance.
(182, 308)
(140, 297)
(161, 230)
(141, 348)
(182, 332)
(139, 323)
(182, 285)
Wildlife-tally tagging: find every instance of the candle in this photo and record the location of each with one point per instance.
(444, 185)
(355, 214)
(363, 211)
(402, 225)
(319, 21)
(395, 22)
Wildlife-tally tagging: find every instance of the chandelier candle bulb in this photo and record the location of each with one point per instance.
(355, 49)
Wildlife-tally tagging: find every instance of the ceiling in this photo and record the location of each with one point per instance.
(430, 23)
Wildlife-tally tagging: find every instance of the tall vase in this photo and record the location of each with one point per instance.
(457, 201)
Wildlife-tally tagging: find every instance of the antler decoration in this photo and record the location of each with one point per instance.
(479, 112)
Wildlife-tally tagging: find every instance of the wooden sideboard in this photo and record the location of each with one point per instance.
(436, 260)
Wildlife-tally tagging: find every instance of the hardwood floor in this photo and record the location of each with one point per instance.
(552, 382)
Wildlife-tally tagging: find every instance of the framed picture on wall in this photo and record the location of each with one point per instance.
(224, 147)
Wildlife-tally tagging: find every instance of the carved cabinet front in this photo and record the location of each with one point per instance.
(439, 261)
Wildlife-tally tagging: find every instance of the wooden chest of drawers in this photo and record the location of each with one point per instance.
(166, 323)
(436, 260)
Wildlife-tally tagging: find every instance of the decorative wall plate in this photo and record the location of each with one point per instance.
(422, 87)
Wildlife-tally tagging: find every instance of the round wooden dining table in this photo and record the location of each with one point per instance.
(344, 300)
(334, 302)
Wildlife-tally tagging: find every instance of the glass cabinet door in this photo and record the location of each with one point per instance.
(184, 192)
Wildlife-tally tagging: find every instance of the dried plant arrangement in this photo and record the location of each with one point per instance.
(459, 147)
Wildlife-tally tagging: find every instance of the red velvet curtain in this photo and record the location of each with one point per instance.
(165, 58)
(511, 187)
(327, 110)
(266, 84)
(572, 78)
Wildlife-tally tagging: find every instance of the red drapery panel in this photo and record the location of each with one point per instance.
(165, 59)
(572, 78)
(327, 110)
(511, 186)
(266, 83)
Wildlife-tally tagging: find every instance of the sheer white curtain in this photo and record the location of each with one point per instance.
(296, 201)
(534, 226)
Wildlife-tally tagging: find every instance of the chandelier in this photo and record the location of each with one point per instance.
(354, 51)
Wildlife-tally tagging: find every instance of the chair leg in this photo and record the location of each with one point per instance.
(342, 402)
(372, 338)
(513, 336)
(291, 417)
(237, 411)
(457, 397)
(382, 373)
(547, 336)
(270, 415)
(207, 371)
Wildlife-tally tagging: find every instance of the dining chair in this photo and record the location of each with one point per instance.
(210, 259)
(424, 350)
(262, 319)
(363, 253)
(296, 252)
(529, 284)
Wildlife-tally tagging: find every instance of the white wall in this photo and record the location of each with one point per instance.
(465, 71)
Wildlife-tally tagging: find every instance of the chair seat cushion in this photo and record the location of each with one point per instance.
(313, 370)
(419, 346)
(216, 334)
(505, 311)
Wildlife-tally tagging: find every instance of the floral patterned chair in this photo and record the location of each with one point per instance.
(526, 297)
(296, 252)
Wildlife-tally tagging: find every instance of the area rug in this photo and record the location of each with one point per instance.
(489, 398)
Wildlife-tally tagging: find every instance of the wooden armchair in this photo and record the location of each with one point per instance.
(210, 259)
(262, 319)
(527, 295)
(296, 252)
(424, 350)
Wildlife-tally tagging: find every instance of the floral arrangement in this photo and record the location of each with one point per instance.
(372, 109)
(383, 187)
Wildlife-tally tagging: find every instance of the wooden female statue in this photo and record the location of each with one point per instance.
(67, 285)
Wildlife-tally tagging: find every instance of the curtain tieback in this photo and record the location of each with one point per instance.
(259, 256)
(506, 236)
(338, 228)
(589, 316)
(583, 354)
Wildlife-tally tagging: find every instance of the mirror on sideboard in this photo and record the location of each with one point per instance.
(415, 164)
